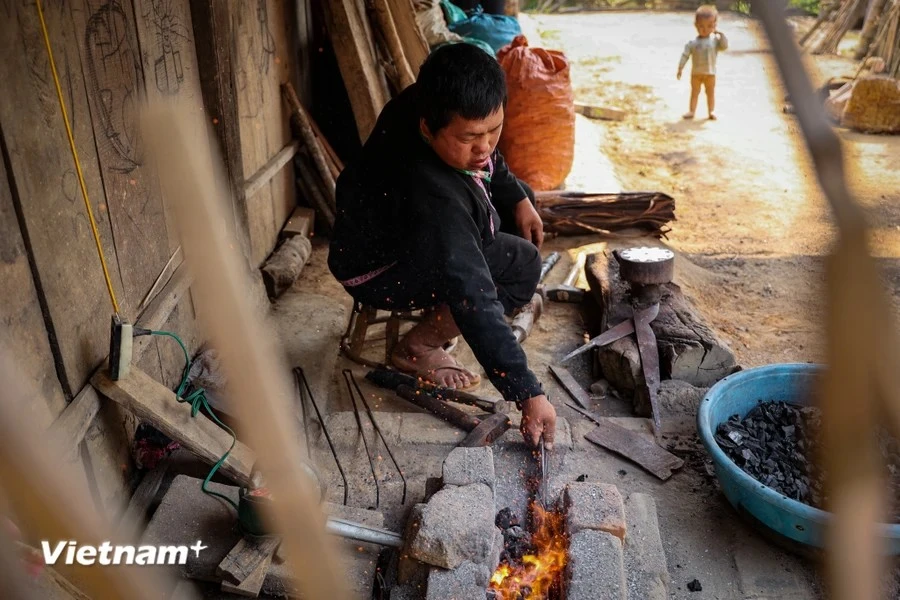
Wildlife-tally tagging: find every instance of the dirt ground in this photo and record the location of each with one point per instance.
(751, 219)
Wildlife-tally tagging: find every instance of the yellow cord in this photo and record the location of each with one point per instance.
(84, 194)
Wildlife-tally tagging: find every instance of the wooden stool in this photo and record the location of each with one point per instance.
(354, 340)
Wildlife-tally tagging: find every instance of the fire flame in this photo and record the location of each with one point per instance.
(533, 579)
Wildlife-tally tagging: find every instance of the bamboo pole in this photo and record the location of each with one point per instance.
(862, 351)
(870, 26)
(51, 505)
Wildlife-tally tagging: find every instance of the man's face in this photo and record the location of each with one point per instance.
(705, 26)
(467, 144)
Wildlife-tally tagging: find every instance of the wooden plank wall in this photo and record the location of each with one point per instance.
(224, 62)
(264, 54)
(54, 307)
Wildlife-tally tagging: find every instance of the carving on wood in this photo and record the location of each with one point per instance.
(114, 81)
(170, 34)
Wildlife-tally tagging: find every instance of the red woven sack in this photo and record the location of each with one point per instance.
(538, 138)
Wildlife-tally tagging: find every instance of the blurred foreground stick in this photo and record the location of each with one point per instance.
(862, 346)
(258, 380)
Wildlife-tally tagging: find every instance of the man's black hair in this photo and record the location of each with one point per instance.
(459, 79)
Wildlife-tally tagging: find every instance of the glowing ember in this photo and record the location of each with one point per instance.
(533, 578)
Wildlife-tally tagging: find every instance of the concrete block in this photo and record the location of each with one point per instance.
(457, 525)
(214, 522)
(465, 466)
(594, 506)
(344, 430)
(595, 570)
(467, 581)
(646, 570)
(764, 573)
(419, 428)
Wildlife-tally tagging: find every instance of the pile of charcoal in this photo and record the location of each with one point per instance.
(516, 541)
(776, 444)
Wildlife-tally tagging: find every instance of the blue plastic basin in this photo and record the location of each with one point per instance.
(738, 394)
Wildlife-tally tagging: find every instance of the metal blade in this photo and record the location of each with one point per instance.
(607, 337)
(649, 357)
(545, 476)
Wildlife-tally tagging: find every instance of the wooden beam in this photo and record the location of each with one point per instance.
(359, 67)
(75, 420)
(246, 556)
(394, 46)
(73, 423)
(133, 521)
(415, 48)
(300, 223)
(151, 400)
(214, 42)
(268, 171)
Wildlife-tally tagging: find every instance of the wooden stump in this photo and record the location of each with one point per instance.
(285, 265)
(688, 349)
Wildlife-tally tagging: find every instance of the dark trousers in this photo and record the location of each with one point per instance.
(515, 265)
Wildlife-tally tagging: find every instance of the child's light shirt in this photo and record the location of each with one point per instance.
(702, 52)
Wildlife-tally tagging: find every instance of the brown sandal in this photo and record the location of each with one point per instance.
(427, 374)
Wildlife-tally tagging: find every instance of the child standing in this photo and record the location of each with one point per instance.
(702, 52)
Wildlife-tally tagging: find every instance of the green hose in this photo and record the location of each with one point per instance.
(197, 400)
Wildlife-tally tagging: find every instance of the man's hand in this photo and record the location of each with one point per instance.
(678, 77)
(538, 419)
(529, 222)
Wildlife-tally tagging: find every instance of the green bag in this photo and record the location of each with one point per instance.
(452, 12)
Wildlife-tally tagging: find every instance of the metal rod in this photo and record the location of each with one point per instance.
(363, 533)
(378, 430)
(302, 383)
(362, 434)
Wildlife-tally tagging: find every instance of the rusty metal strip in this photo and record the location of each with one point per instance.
(568, 382)
(649, 353)
(607, 337)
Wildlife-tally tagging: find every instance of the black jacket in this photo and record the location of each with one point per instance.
(399, 201)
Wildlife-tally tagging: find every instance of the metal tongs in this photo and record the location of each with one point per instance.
(544, 491)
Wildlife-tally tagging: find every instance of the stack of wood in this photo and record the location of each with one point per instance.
(885, 38)
(375, 42)
(580, 213)
(877, 38)
(318, 164)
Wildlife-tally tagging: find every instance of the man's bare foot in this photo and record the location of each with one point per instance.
(436, 366)
(712, 117)
(688, 115)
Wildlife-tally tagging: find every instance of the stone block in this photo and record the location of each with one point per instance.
(646, 569)
(596, 506)
(562, 439)
(420, 428)
(411, 572)
(465, 582)
(408, 592)
(465, 466)
(457, 525)
(595, 570)
(678, 402)
(496, 550)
